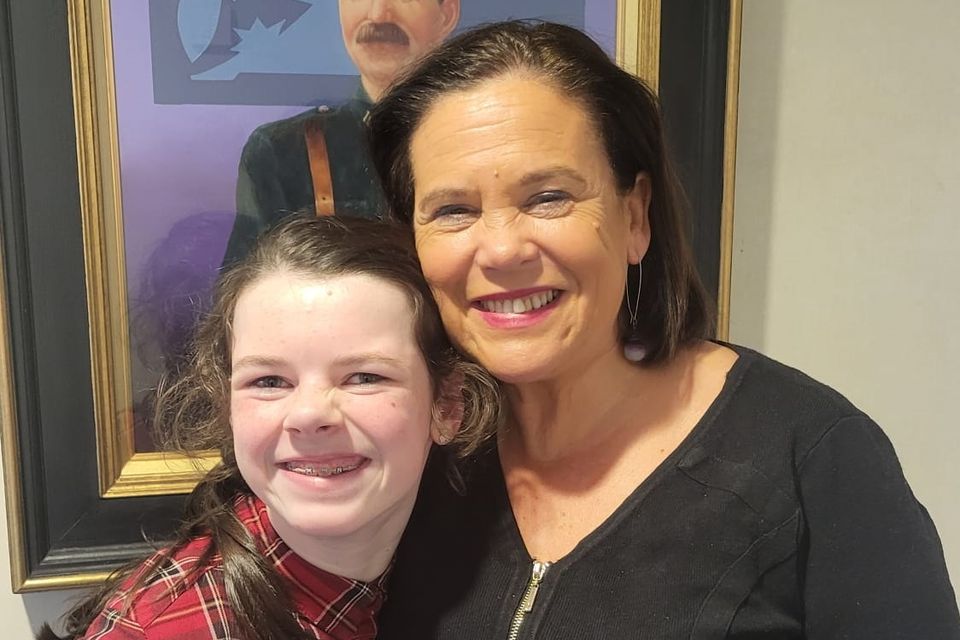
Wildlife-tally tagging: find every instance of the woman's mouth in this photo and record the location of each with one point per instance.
(520, 304)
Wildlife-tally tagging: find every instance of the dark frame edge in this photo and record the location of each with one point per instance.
(11, 253)
(35, 564)
(694, 70)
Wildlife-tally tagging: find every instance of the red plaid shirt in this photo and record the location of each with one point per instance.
(328, 607)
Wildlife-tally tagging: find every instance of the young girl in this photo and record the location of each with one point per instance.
(323, 375)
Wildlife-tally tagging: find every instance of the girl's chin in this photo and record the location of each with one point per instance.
(319, 524)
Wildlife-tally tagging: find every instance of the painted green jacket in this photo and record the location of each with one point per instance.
(274, 174)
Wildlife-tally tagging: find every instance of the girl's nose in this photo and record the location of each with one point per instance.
(312, 410)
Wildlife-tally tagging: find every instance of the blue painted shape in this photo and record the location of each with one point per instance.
(197, 22)
(311, 45)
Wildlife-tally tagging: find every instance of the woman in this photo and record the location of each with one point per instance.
(323, 376)
(648, 482)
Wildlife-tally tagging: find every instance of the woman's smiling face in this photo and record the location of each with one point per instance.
(521, 229)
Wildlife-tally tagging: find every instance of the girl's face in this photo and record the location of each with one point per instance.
(330, 405)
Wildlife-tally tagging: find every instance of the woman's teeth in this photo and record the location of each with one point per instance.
(320, 470)
(520, 305)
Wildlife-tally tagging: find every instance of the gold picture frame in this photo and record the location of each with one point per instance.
(46, 554)
(124, 472)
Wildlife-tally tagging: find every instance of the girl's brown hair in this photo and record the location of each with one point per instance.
(192, 411)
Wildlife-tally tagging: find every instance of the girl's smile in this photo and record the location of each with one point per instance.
(331, 406)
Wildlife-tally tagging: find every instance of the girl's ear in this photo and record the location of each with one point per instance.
(448, 410)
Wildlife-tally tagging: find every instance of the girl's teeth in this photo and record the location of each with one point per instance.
(320, 470)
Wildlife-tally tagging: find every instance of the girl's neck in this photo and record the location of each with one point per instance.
(359, 555)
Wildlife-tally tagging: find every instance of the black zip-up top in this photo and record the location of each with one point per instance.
(784, 514)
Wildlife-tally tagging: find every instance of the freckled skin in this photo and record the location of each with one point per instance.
(326, 367)
(513, 190)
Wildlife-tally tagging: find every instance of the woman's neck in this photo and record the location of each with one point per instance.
(610, 404)
(572, 413)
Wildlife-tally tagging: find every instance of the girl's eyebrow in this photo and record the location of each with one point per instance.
(367, 358)
(257, 361)
(343, 361)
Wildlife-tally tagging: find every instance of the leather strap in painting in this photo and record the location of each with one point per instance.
(319, 167)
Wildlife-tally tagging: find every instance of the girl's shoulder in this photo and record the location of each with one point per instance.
(172, 593)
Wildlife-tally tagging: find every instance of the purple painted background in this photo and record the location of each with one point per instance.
(175, 160)
(178, 166)
(178, 160)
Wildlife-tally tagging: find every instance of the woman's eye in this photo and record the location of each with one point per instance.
(451, 212)
(270, 382)
(364, 378)
(548, 199)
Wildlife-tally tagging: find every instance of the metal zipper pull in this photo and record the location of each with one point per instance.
(529, 595)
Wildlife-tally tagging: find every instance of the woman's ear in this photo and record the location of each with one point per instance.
(637, 202)
(448, 410)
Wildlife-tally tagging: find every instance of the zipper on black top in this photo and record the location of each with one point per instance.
(528, 598)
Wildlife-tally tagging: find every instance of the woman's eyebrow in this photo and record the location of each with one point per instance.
(439, 196)
(551, 173)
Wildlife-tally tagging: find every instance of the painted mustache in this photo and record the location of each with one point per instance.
(382, 33)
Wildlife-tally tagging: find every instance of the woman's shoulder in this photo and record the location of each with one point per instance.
(168, 595)
(775, 410)
(766, 384)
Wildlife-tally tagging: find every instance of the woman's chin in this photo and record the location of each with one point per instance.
(519, 369)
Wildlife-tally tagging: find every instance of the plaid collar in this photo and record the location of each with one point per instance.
(327, 600)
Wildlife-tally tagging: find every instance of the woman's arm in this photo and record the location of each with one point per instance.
(874, 563)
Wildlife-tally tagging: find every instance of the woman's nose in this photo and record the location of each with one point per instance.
(504, 244)
(312, 410)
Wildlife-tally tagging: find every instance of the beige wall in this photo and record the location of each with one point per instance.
(847, 231)
(847, 226)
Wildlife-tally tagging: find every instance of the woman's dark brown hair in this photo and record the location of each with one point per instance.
(192, 411)
(673, 310)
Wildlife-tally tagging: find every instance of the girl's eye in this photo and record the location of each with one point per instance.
(364, 378)
(270, 382)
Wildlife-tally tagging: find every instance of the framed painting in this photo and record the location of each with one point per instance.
(122, 126)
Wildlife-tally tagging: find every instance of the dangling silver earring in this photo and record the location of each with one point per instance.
(633, 349)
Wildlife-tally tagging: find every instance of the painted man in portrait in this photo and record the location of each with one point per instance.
(318, 159)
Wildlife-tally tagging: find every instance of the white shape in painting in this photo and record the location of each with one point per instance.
(197, 22)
